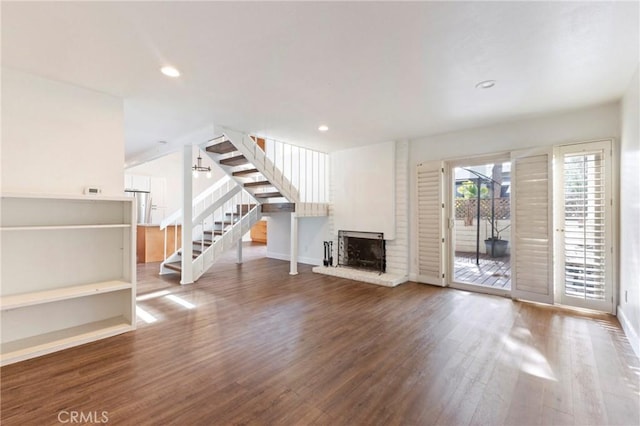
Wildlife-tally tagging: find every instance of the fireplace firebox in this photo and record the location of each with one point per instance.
(362, 250)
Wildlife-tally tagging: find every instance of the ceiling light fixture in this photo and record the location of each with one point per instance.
(198, 167)
(170, 71)
(323, 128)
(487, 84)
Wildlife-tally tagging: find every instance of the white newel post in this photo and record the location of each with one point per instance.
(239, 261)
(187, 218)
(294, 245)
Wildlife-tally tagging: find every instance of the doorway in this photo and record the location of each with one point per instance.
(480, 227)
(583, 218)
(552, 208)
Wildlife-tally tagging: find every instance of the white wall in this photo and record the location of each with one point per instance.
(312, 231)
(629, 299)
(363, 189)
(58, 138)
(599, 122)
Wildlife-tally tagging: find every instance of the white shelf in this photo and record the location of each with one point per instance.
(66, 197)
(59, 285)
(39, 297)
(59, 227)
(42, 344)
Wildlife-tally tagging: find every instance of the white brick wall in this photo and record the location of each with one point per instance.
(397, 249)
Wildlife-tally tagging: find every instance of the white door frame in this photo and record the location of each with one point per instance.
(610, 302)
(450, 214)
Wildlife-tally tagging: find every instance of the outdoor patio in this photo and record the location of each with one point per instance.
(491, 272)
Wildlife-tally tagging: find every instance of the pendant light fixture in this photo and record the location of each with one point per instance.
(198, 167)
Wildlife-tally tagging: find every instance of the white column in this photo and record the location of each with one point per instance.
(294, 245)
(187, 217)
(239, 261)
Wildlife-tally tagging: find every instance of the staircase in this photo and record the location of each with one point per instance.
(220, 219)
(247, 164)
(254, 186)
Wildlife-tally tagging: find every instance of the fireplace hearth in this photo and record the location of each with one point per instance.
(362, 250)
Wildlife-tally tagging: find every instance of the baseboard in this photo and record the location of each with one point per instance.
(632, 334)
(301, 259)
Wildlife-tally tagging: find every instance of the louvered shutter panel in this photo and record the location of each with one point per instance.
(532, 221)
(430, 223)
(584, 243)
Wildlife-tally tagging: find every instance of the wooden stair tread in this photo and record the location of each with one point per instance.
(214, 232)
(205, 243)
(258, 183)
(245, 172)
(194, 253)
(278, 207)
(225, 222)
(224, 147)
(176, 266)
(238, 160)
(244, 208)
(267, 194)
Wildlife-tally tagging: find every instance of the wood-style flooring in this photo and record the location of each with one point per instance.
(262, 347)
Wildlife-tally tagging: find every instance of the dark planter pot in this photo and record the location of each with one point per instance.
(496, 248)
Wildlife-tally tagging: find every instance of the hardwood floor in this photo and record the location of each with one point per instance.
(263, 347)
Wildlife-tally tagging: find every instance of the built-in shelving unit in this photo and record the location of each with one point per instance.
(67, 272)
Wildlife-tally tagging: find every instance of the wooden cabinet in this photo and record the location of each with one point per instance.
(68, 272)
(150, 245)
(259, 232)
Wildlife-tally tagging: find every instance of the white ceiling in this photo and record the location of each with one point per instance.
(372, 71)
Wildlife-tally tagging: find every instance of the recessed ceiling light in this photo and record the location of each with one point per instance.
(323, 128)
(487, 84)
(170, 71)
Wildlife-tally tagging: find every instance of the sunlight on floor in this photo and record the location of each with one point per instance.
(153, 295)
(145, 316)
(533, 362)
(180, 301)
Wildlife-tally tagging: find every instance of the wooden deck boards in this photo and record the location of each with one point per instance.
(491, 272)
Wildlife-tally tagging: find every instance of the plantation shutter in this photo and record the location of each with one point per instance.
(532, 222)
(430, 223)
(584, 240)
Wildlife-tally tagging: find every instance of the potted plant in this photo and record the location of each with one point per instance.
(496, 246)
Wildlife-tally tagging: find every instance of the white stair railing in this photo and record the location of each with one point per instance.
(201, 203)
(307, 170)
(233, 217)
(217, 226)
(256, 156)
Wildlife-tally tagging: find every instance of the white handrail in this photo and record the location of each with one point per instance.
(173, 217)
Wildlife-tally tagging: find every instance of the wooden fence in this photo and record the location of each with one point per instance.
(466, 209)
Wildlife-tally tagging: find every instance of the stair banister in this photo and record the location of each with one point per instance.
(186, 277)
(207, 193)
